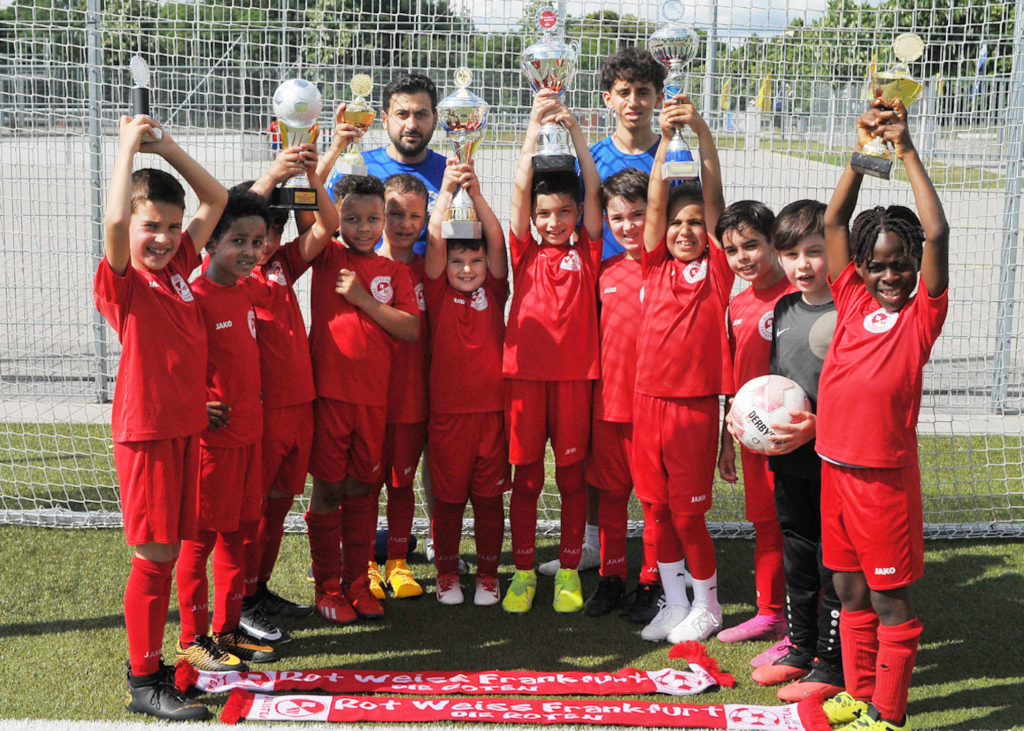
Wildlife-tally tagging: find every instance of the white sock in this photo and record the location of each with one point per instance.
(592, 536)
(674, 583)
(705, 593)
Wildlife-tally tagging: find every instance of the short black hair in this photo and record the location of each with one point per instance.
(797, 221)
(634, 65)
(563, 182)
(278, 216)
(754, 215)
(407, 183)
(467, 244)
(241, 204)
(898, 220)
(150, 184)
(689, 191)
(357, 185)
(410, 84)
(629, 184)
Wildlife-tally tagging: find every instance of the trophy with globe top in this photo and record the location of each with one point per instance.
(550, 63)
(895, 83)
(674, 46)
(140, 93)
(297, 108)
(463, 115)
(360, 114)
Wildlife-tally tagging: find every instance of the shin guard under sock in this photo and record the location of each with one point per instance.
(612, 518)
(324, 546)
(858, 634)
(194, 586)
(358, 528)
(573, 494)
(489, 533)
(446, 528)
(271, 533)
(897, 653)
(526, 486)
(229, 573)
(769, 578)
(400, 509)
(146, 596)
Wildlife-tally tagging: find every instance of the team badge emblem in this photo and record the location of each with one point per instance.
(479, 300)
(880, 321)
(252, 322)
(182, 288)
(571, 261)
(421, 300)
(764, 325)
(275, 274)
(381, 290)
(696, 271)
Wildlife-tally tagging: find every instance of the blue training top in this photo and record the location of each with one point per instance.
(610, 160)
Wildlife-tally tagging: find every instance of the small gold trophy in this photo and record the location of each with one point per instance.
(360, 114)
(297, 107)
(896, 83)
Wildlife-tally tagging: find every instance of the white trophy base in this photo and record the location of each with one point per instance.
(680, 170)
(461, 229)
(350, 168)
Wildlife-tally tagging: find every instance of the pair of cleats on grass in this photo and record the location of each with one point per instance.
(449, 590)
(846, 713)
(520, 593)
(397, 576)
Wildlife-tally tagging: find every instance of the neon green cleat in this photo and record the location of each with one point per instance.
(568, 593)
(843, 708)
(519, 596)
(865, 722)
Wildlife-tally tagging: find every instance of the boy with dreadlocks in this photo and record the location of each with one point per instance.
(872, 533)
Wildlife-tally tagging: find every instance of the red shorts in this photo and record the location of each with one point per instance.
(230, 487)
(287, 439)
(403, 445)
(348, 441)
(159, 483)
(611, 444)
(758, 487)
(872, 523)
(536, 410)
(675, 450)
(468, 456)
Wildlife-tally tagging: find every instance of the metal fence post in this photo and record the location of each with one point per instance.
(94, 87)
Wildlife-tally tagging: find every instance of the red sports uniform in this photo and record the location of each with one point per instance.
(158, 412)
(468, 450)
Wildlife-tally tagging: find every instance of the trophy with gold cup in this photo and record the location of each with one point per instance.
(297, 108)
(463, 116)
(359, 114)
(674, 46)
(895, 83)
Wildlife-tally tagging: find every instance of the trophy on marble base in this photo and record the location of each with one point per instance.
(896, 83)
(140, 93)
(674, 46)
(463, 115)
(360, 114)
(297, 107)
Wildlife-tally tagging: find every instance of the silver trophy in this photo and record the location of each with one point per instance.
(140, 93)
(297, 105)
(550, 63)
(674, 46)
(463, 115)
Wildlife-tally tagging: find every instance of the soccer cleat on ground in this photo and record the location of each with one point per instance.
(664, 622)
(843, 708)
(449, 590)
(824, 680)
(608, 596)
(428, 553)
(255, 622)
(487, 594)
(248, 648)
(367, 606)
(568, 592)
(758, 627)
(648, 599)
(590, 558)
(869, 721)
(155, 695)
(794, 665)
(699, 624)
(376, 580)
(399, 578)
(332, 604)
(519, 595)
(203, 653)
(273, 605)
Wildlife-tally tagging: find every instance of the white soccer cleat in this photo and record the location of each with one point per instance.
(590, 558)
(664, 622)
(699, 624)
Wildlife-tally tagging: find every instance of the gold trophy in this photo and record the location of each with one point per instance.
(896, 83)
(297, 107)
(359, 114)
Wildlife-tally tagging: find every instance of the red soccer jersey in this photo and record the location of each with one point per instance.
(161, 379)
(869, 394)
(407, 389)
(750, 329)
(351, 353)
(619, 285)
(285, 368)
(683, 348)
(467, 332)
(552, 324)
(233, 369)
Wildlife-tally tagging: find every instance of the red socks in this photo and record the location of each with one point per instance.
(275, 510)
(573, 514)
(358, 528)
(649, 571)
(400, 509)
(667, 544)
(697, 545)
(325, 546)
(229, 572)
(146, 597)
(446, 529)
(522, 512)
(897, 652)
(858, 636)
(769, 578)
(612, 517)
(194, 586)
(489, 532)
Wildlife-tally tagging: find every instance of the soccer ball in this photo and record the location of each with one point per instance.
(761, 402)
(297, 103)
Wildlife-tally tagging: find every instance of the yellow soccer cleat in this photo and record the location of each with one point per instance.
(568, 593)
(399, 578)
(519, 596)
(376, 580)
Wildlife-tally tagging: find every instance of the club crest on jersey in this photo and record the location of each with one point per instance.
(381, 289)
(182, 288)
(479, 300)
(421, 300)
(275, 274)
(252, 322)
(696, 271)
(571, 261)
(880, 321)
(764, 325)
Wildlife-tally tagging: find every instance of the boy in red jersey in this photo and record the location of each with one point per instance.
(466, 289)
(405, 215)
(362, 305)
(744, 230)
(683, 365)
(141, 289)
(550, 356)
(230, 486)
(286, 374)
(872, 524)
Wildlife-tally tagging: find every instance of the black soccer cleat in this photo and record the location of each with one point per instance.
(609, 595)
(155, 695)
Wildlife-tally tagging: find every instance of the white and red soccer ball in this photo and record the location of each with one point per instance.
(762, 402)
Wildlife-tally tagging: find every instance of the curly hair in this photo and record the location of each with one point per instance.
(898, 220)
(634, 65)
(241, 204)
(357, 185)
